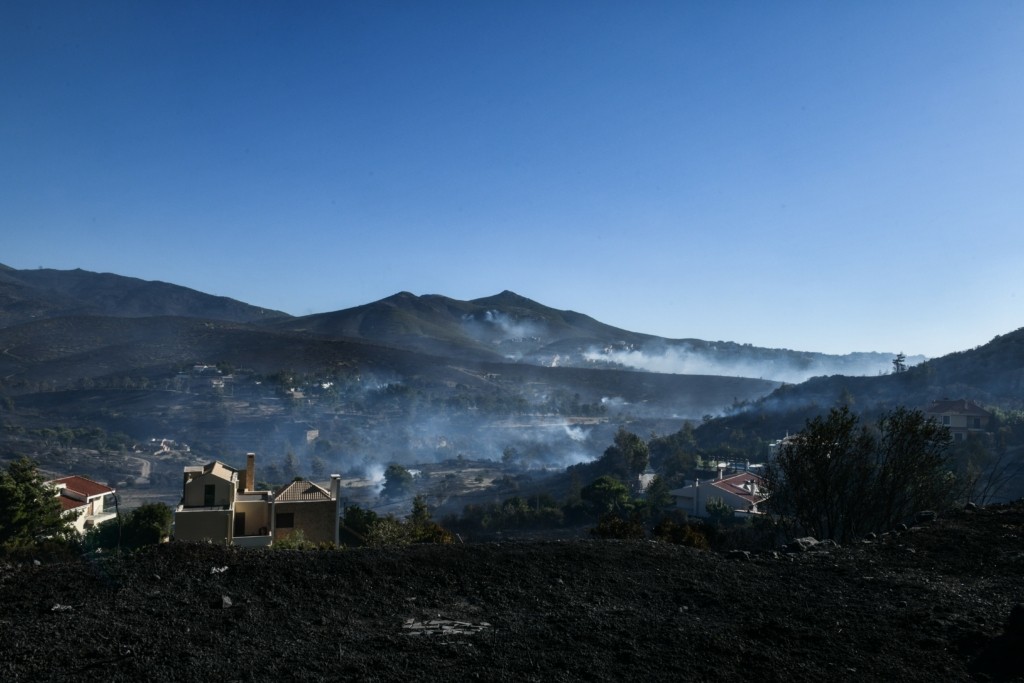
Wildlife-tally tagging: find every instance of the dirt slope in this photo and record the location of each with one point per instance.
(928, 604)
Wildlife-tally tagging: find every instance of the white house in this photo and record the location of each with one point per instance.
(83, 498)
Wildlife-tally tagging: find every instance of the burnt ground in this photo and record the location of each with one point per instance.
(927, 604)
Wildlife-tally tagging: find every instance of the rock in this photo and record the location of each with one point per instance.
(971, 507)
(926, 516)
(221, 602)
(741, 555)
(801, 545)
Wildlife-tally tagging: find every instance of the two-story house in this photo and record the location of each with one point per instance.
(961, 416)
(220, 504)
(83, 499)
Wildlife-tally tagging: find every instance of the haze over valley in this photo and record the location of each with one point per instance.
(412, 380)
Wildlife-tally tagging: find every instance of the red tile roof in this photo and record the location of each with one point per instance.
(734, 485)
(958, 407)
(83, 485)
(67, 503)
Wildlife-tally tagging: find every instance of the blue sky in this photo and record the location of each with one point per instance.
(819, 176)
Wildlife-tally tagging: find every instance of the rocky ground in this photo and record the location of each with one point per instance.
(930, 603)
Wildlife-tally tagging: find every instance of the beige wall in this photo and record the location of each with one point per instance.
(203, 525)
(257, 516)
(317, 520)
(195, 491)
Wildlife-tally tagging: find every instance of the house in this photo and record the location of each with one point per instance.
(220, 504)
(742, 492)
(961, 416)
(309, 507)
(83, 498)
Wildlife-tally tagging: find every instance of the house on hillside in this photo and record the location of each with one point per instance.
(220, 504)
(84, 499)
(742, 492)
(961, 416)
(309, 507)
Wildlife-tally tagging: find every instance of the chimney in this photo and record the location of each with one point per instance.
(336, 497)
(250, 471)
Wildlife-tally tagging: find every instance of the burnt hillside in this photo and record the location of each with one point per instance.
(926, 604)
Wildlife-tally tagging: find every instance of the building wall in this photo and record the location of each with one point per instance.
(257, 516)
(195, 491)
(203, 525)
(318, 520)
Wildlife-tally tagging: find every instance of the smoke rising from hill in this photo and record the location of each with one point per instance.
(734, 362)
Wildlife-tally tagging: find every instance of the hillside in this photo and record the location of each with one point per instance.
(991, 374)
(27, 295)
(508, 327)
(933, 603)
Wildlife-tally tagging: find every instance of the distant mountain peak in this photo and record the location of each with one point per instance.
(507, 298)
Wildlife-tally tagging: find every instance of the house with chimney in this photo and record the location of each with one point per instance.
(961, 416)
(220, 504)
(742, 491)
(83, 499)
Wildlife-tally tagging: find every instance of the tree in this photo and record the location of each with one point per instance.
(397, 481)
(657, 495)
(838, 479)
(30, 512)
(291, 466)
(627, 457)
(318, 467)
(149, 524)
(899, 363)
(605, 495)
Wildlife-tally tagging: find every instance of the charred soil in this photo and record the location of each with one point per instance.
(930, 603)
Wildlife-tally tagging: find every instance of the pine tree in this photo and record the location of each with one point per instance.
(30, 511)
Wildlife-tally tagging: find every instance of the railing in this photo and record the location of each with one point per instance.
(262, 541)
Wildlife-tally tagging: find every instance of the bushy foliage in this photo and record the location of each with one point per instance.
(616, 526)
(515, 513)
(356, 524)
(296, 540)
(376, 531)
(837, 479)
(397, 482)
(605, 495)
(669, 530)
(149, 524)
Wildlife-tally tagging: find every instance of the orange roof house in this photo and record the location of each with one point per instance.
(83, 498)
(742, 492)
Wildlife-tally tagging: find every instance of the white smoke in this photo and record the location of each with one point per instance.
(375, 473)
(577, 434)
(686, 361)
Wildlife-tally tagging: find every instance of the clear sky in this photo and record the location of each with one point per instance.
(819, 176)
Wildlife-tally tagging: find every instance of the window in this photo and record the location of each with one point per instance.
(977, 423)
(209, 495)
(945, 420)
(284, 520)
